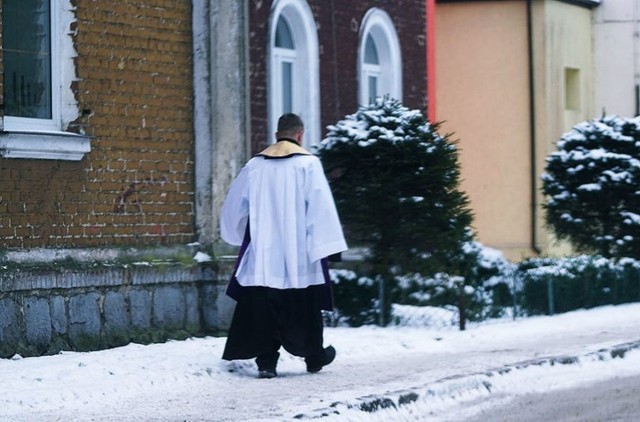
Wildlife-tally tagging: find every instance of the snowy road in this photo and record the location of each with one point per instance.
(188, 381)
(616, 399)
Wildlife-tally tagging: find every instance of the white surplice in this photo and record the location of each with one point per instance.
(284, 195)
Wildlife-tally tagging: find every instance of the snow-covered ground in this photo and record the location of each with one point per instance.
(435, 371)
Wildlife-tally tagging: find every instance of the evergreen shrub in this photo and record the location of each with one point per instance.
(356, 299)
(579, 282)
(592, 183)
(395, 181)
(486, 291)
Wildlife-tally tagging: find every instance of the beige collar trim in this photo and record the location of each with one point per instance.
(284, 149)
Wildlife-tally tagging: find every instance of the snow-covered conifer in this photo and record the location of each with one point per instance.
(396, 185)
(592, 183)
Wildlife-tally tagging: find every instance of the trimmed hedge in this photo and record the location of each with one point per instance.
(576, 283)
(498, 289)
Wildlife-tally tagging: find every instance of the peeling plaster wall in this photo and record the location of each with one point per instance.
(68, 25)
(222, 105)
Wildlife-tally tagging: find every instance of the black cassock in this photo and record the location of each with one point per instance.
(266, 318)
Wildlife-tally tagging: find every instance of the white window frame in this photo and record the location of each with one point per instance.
(13, 123)
(305, 59)
(31, 138)
(371, 70)
(281, 56)
(379, 25)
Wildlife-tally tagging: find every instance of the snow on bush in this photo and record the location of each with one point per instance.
(592, 183)
(395, 180)
(578, 282)
(416, 299)
(356, 298)
(485, 287)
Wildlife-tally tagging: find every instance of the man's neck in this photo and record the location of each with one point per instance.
(287, 139)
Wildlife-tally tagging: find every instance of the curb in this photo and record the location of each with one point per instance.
(457, 385)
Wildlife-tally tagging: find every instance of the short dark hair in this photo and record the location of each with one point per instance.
(290, 122)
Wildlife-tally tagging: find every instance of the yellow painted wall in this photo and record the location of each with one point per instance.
(483, 95)
(563, 40)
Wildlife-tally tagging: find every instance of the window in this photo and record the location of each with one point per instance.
(34, 39)
(571, 89)
(26, 45)
(371, 69)
(293, 66)
(379, 59)
(285, 65)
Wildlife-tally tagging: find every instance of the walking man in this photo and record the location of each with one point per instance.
(281, 212)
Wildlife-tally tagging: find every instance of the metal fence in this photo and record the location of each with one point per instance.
(543, 287)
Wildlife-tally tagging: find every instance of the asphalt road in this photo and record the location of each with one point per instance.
(616, 399)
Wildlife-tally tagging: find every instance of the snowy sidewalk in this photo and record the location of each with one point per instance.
(187, 380)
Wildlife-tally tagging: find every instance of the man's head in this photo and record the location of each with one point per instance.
(290, 126)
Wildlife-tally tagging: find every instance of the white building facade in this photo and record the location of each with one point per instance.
(617, 57)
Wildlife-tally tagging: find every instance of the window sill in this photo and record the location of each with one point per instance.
(44, 145)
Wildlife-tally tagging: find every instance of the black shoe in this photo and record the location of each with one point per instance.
(328, 355)
(267, 363)
(267, 373)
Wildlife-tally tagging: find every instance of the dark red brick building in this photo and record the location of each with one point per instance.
(399, 34)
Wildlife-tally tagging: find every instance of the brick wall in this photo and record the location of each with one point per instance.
(1, 73)
(338, 23)
(134, 90)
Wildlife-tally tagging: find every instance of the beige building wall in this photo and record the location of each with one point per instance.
(564, 87)
(483, 96)
(483, 80)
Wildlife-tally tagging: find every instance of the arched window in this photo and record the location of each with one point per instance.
(379, 58)
(293, 67)
(371, 70)
(285, 56)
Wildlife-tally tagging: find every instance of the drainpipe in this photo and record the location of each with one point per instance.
(636, 75)
(532, 133)
(431, 56)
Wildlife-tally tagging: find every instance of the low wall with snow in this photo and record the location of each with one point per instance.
(46, 311)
